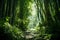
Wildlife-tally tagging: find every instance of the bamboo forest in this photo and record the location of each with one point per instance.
(29, 20)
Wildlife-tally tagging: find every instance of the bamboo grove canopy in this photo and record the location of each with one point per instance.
(29, 19)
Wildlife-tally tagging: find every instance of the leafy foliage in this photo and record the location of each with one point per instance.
(38, 18)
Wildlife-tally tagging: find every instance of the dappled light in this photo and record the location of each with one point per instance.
(29, 19)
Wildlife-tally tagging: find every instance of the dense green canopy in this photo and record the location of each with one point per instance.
(29, 19)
